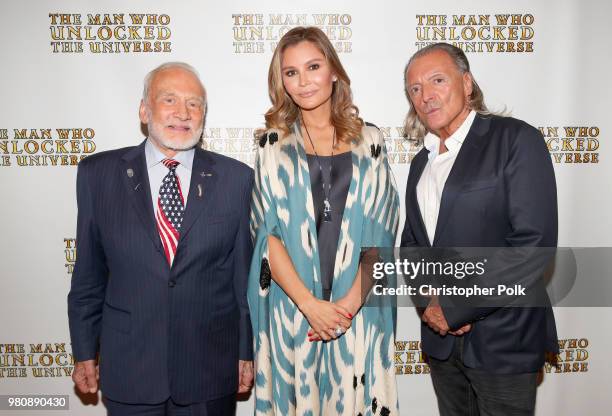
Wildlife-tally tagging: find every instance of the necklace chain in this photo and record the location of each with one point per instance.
(326, 192)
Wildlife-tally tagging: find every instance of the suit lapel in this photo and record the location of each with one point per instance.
(469, 154)
(136, 181)
(202, 187)
(416, 170)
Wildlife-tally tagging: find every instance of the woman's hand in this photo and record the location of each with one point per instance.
(347, 303)
(324, 317)
(351, 303)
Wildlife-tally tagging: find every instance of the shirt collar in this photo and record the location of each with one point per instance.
(155, 156)
(431, 142)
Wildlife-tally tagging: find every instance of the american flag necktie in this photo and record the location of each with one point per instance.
(170, 209)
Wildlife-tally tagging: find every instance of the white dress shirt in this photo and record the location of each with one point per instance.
(157, 171)
(434, 176)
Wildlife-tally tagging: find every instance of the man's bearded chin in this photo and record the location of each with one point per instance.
(174, 144)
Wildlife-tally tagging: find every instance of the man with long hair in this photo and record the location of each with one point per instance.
(481, 180)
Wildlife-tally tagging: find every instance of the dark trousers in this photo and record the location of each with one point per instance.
(463, 391)
(223, 406)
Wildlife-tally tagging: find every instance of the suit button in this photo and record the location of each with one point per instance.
(171, 283)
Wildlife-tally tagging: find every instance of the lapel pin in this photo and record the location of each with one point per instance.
(130, 172)
(199, 190)
(202, 174)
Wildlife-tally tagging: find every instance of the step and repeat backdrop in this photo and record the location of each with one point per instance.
(71, 82)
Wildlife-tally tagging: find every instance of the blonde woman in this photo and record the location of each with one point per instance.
(323, 190)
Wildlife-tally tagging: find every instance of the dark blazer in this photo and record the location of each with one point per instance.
(500, 192)
(161, 331)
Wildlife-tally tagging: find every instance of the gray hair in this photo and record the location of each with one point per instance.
(169, 65)
(414, 129)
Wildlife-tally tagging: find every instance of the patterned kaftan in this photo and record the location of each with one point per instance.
(354, 374)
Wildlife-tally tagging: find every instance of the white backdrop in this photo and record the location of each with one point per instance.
(71, 86)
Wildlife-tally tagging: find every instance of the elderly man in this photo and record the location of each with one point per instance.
(158, 292)
(481, 180)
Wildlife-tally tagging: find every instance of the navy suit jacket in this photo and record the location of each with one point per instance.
(500, 192)
(161, 331)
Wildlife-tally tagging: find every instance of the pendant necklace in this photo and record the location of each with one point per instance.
(327, 209)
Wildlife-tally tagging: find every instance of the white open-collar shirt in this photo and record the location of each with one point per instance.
(431, 183)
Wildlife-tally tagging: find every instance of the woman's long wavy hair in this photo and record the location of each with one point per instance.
(284, 112)
(413, 128)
